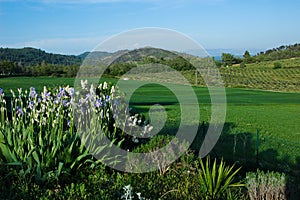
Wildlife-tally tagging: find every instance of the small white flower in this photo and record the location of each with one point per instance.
(83, 84)
(104, 85)
(13, 93)
(112, 89)
(44, 121)
(92, 90)
(127, 187)
(150, 128)
(134, 121)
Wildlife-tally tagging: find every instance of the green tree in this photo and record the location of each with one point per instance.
(243, 65)
(7, 68)
(227, 59)
(247, 57)
(218, 63)
(277, 65)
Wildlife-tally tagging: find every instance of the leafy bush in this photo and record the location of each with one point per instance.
(161, 157)
(266, 186)
(277, 65)
(243, 65)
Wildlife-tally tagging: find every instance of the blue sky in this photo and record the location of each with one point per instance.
(75, 26)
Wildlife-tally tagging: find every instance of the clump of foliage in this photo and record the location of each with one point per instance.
(277, 65)
(266, 186)
(242, 65)
(229, 60)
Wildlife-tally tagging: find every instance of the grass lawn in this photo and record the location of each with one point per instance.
(275, 115)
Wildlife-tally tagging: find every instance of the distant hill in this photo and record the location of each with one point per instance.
(29, 56)
(96, 54)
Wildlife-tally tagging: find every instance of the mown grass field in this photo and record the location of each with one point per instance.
(276, 115)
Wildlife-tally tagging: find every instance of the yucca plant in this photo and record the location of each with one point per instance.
(217, 179)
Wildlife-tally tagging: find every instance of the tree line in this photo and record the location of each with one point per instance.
(8, 68)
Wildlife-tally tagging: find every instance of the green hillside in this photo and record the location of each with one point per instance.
(255, 76)
(262, 75)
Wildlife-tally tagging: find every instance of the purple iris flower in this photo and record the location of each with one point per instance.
(65, 103)
(55, 101)
(90, 97)
(30, 105)
(116, 102)
(46, 95)
(32, 92)
(72, 91)
(61, 93)
(98, 103)
(69, 123)
(19, 111)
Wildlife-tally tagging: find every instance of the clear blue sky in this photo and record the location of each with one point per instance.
(75, 26)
